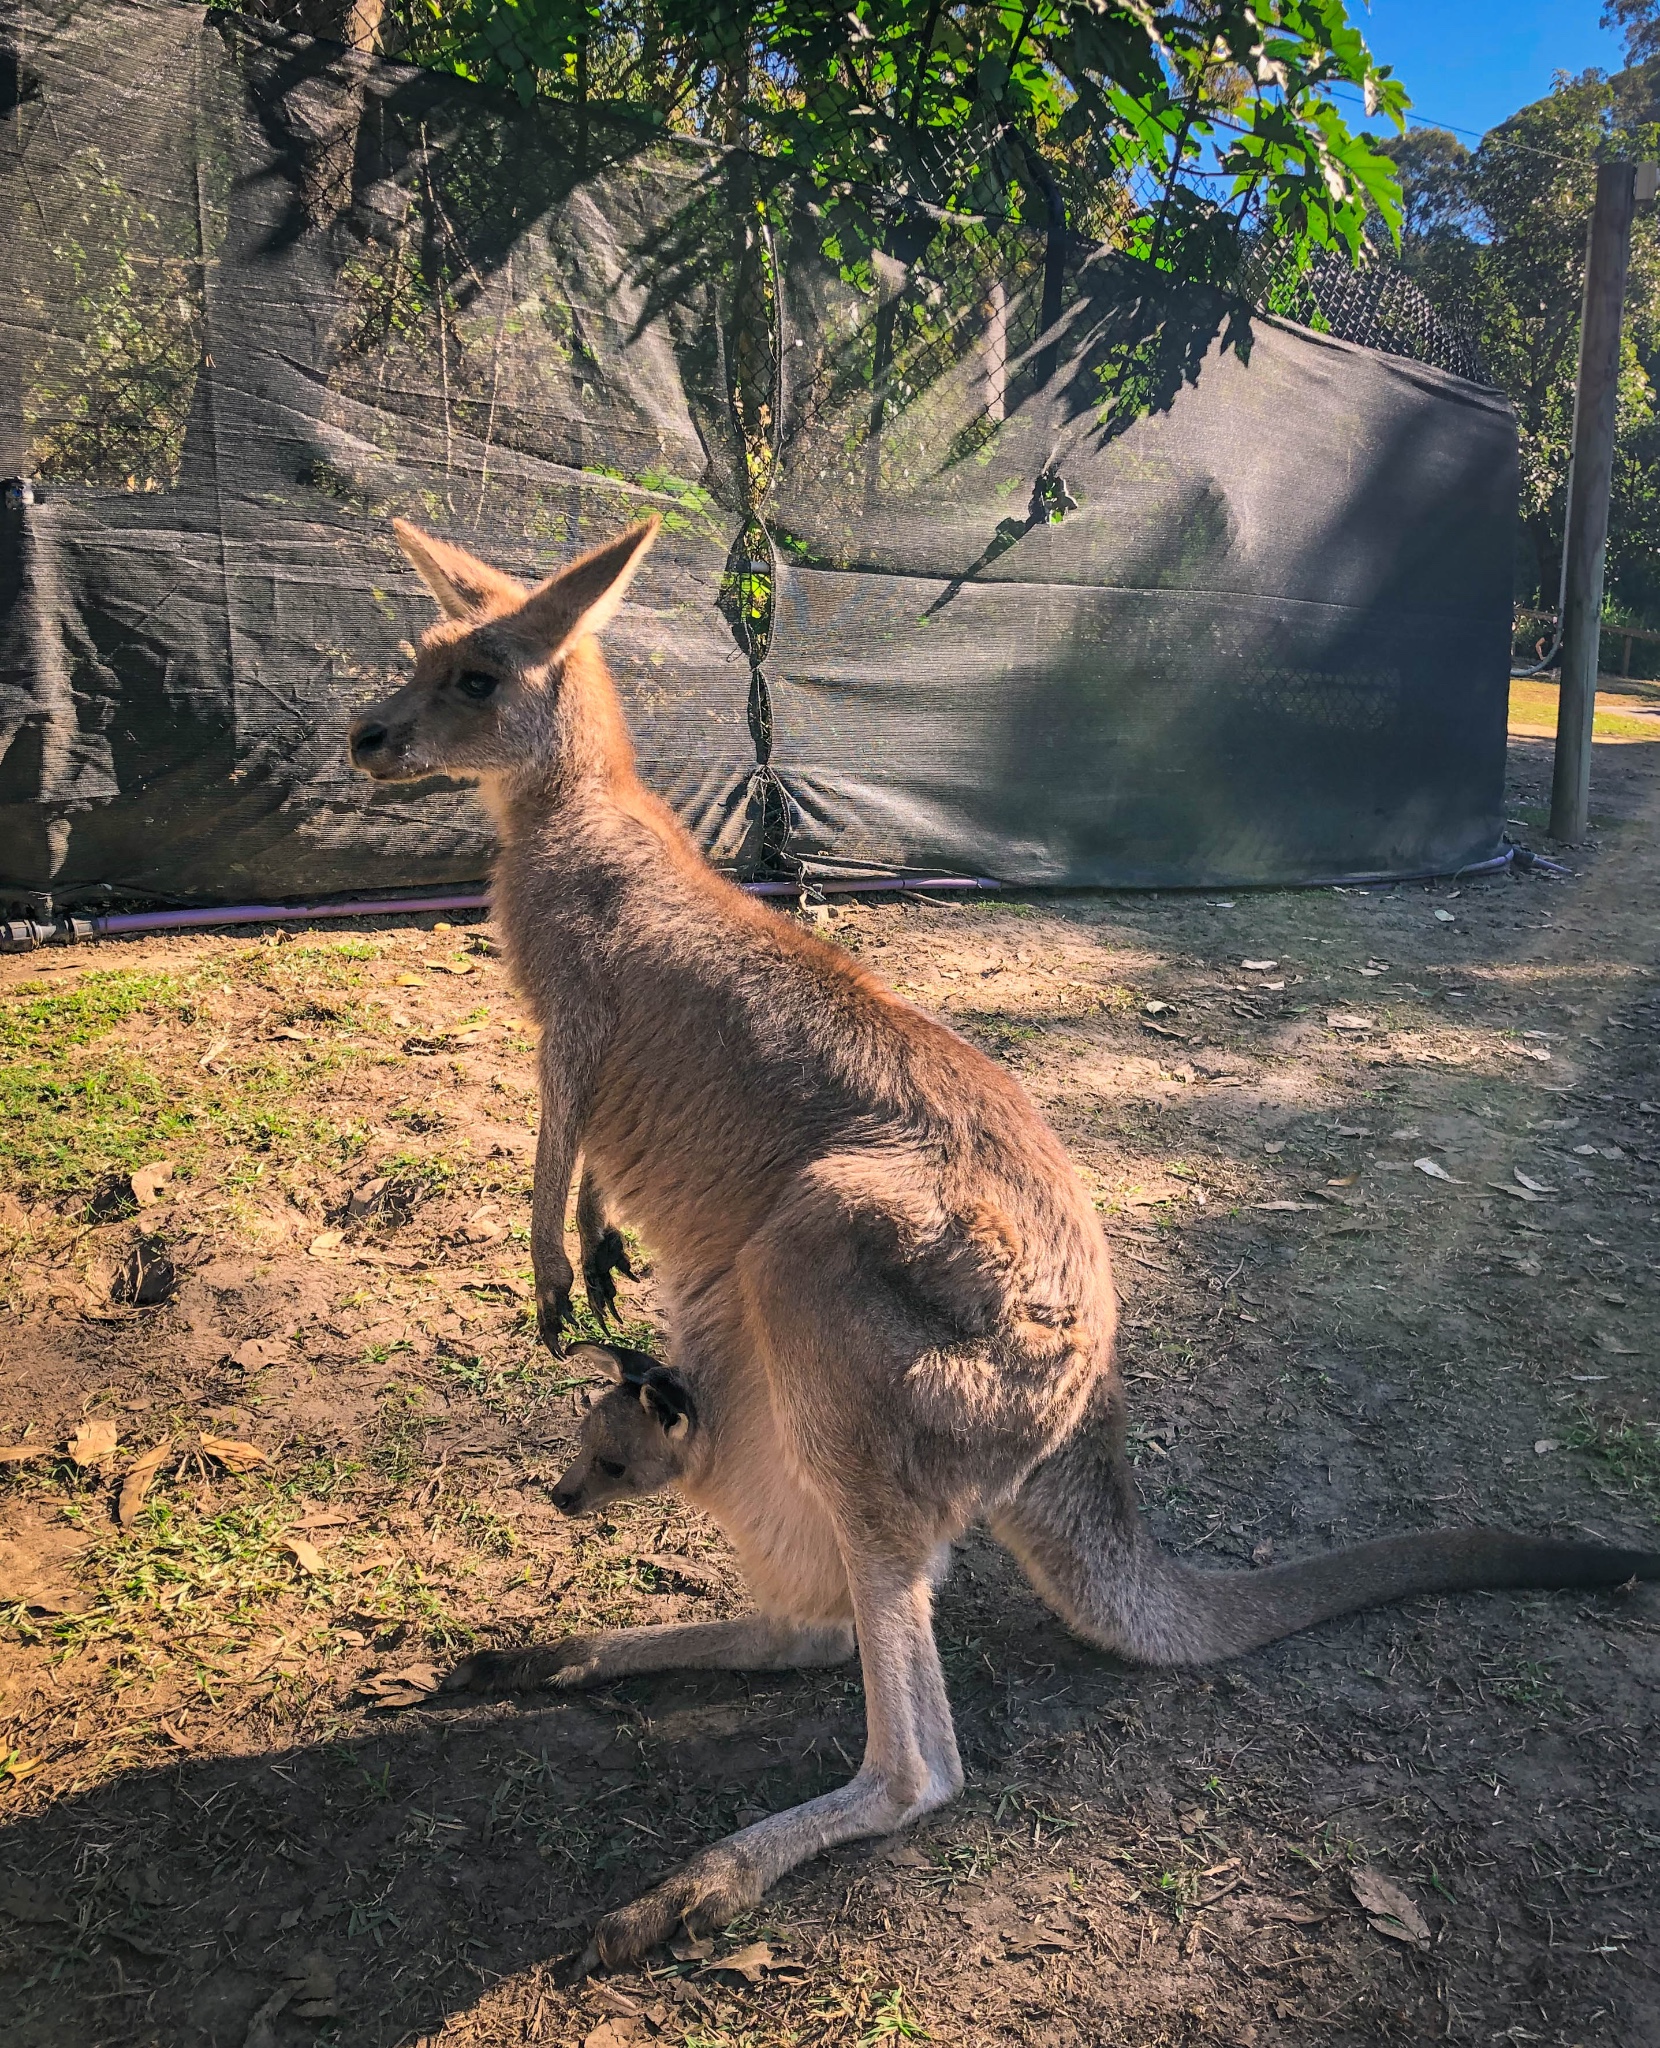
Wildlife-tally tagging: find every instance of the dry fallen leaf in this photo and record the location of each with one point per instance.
(1348, 1020)
(1536, 1187)
(405, 1688)
(621, 2032)
(1545, 1445)
(687, 1947)
(306, 1555)
(1259, 966)
(148, 1182)
(233, 1453)
(1607, 1341)
(219, 1046)
(1443, 917)
(751, 1963)
(23, 1454)
(32, 1902)
(451, 967)
(1389, 1909)
(1435, 1170)
(262, 2028)
(93, 1442)
(137, 1483)
(325, 1244)
(1298, 1916)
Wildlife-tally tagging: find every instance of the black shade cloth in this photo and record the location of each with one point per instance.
(1030, 628)
(268, 295)
(1162, 595)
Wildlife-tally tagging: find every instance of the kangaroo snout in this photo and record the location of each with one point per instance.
(367, 744)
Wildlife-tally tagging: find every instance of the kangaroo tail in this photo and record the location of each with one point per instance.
(1077, 1533)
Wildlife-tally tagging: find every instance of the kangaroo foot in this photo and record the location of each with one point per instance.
(711, 1890)
(563, 1664)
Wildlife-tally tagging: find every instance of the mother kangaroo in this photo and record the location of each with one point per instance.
(881, 1272)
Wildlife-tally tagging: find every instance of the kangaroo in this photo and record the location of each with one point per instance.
(887, 1293)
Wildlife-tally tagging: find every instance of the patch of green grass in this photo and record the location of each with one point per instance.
(399, 1453)
(322, 1477)
(961, 1863)
(70, 1117)
(41, 1019)
(481, 1530)
(299, 970)
(177, 1569)
(889, 2020)
(1627, 1452)
(67, 1125)
(1528, 1683)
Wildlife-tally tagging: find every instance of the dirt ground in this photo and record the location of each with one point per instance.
(1346, 1312)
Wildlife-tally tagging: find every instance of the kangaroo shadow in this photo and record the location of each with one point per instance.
(476, 1839)
(382, 1874)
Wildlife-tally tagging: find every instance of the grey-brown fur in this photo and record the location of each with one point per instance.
(884, 1284)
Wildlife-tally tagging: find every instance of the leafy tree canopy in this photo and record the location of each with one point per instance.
(1496, 237)
(1177, 128)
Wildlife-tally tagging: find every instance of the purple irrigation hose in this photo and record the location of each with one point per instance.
(868, 885)
(274, 913)
(26, 934)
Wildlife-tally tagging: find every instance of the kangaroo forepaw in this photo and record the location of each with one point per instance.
(554, 1315)
(607, 1256)
(710, 1891)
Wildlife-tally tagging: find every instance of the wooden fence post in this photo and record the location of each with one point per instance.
(1593, 470)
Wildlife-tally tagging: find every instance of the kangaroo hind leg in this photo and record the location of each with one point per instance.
(910, 1766)
(755, 1642)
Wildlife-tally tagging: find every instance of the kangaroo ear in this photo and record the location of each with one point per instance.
(667, 1399)
(464, 586)
(598, 1358)
(585, 596)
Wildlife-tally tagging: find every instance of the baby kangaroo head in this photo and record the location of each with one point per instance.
(485, 696)
(635, 1438)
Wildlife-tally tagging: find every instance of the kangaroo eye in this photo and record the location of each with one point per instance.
(476, 684)
(611, 1468)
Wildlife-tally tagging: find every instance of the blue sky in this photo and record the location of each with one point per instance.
(1469, 63)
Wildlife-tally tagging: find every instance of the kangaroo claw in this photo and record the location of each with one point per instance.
(554, 1313)
(609, 1255)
